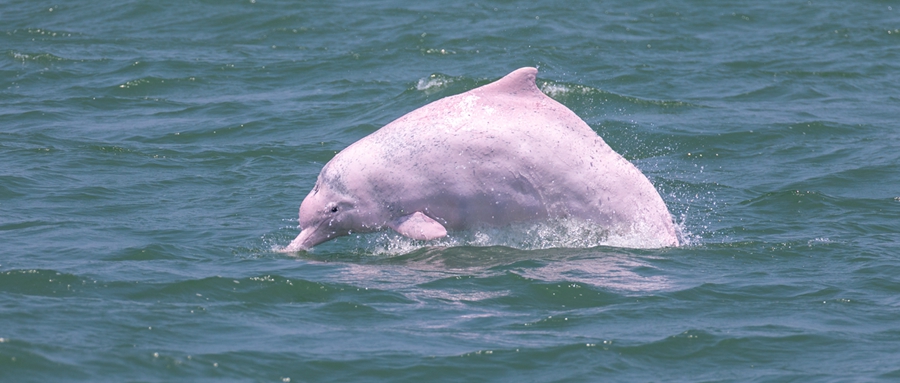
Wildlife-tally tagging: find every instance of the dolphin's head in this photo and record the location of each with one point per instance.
(328, 211)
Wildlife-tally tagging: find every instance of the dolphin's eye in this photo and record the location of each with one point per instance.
(334, 209)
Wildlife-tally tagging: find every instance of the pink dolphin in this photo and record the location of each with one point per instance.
(496, 155)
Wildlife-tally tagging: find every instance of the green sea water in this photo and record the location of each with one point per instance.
(153, 156)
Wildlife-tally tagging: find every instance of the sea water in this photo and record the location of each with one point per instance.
(153, 155)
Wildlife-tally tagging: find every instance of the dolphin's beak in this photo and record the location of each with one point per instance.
(302, 242)
(308, 238)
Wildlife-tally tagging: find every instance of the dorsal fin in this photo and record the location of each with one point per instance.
(520, 82)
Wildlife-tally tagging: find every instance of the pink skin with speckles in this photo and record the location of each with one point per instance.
(496, 155)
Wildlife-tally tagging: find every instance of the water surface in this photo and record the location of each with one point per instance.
(153, 156)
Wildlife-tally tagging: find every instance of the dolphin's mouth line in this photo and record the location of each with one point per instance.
(312, 236)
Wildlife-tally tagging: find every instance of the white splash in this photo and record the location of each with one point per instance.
(432, 83)
(558, 233)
